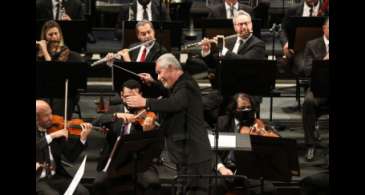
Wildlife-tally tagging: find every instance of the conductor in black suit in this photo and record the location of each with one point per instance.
(317, 49)
(227, 9)
(182, 121)
(51, 176)
(146, 53)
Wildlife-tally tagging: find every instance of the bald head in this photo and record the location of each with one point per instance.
(43, 114)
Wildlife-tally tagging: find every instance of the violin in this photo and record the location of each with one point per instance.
(143, 115)
(73, 126)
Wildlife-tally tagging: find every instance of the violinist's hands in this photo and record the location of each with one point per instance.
(59, 133)
(136, 101)
(245, 130)
(225, 171)
(148, 124)
(86, 130)
(126, 117)
(288, 52)
(125, 55)
(146, 78)
(205, 45)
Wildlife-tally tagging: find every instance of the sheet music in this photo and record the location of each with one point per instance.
(224, 141)
(77, 178)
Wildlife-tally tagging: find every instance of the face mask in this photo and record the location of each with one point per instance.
(246, 117)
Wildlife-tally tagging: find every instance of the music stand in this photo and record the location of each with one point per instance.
(170, 37)
(135, 154)
(120, 76)
(302, 29)
(320, 78)
(270, 159)
(214, 27)
(51, 78)
(255, 77)
(74, 33)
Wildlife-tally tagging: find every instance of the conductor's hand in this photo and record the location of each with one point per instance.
(125, 55)
(146, 78)
(136, 101)
(126, 117)
(59, 133)
(205, 45)
(86, 129)
(225, 171)
(288, 52)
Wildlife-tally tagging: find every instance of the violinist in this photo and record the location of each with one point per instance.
(146, 53)
(121, 120)
(241, 118)
(52, 177)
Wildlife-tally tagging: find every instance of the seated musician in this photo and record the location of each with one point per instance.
(241, 118)
(51, 176)
(145, 53)
(120, 120)
(226, 9)
(317, 49)
(244, 46)
(51, 46)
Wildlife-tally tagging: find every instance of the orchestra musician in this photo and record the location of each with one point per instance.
(146, 53)
(51, 176)
(182, 121)
(240, 117)
(226, 9)
(120, 120)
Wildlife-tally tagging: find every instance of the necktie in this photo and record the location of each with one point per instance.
(311, 12)
(232, 11)
(145, 14)
(143, 56)
(57, 10)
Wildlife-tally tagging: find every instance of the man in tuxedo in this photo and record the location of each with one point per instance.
(227, 9)
(51, 176)
(146, 53)
(182, 121)
(317, 49)
(140, 10)
(120, 121)
(49, 10)
(309, 8)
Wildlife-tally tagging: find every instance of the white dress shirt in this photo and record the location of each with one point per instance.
(140, 11)
(228, 9)
(326, 42)
(141, 51)
(306, 9)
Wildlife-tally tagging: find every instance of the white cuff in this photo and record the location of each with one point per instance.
(48, 138)
(82, 141)
(219, 165)
(224, 51)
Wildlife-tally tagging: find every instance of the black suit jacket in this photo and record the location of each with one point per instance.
(73, 8)
(70, 149)
(114, 127)
(314, 50)
(219, 10)
(156, 51)
(155, 9)
(254, 48)
(183, 122)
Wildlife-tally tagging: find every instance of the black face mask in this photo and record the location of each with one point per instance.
(246, 117)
